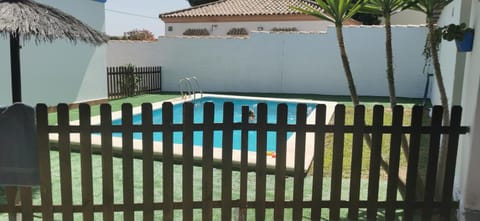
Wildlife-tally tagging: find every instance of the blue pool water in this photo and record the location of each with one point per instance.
(218, 102)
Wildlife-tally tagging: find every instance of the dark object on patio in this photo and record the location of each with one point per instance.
(30, 19)
(18, 146)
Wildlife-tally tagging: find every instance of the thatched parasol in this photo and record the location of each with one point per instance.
(27, 19)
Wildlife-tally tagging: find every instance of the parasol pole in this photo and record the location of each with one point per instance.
(15, 67)
(13, 191)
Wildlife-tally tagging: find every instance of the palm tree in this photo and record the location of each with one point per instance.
(429, 8)
(387, 8)
(338, 12)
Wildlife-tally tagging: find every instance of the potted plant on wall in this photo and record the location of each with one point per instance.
(462, 35)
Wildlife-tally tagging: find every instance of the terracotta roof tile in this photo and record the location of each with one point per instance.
(238, 8)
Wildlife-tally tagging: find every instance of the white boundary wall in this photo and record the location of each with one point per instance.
(284, 62)
(60, 71)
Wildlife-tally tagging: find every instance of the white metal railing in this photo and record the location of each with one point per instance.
(189, 86)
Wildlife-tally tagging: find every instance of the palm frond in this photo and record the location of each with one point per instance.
(354, 9)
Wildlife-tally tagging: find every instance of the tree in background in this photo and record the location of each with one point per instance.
(199, 2)
(367, 19)
(140, 35)
(136, 35)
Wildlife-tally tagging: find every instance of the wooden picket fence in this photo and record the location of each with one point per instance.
(411, 206)
(125, 81)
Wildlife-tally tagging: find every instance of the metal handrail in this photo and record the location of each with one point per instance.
(187, 88)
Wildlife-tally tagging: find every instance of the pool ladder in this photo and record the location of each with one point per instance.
(189, 86)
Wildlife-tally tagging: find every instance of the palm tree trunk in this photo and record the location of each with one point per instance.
(389, 51)
(391, 90)
(442, 157)
(346, 66)
(390, 75)
(355, 100)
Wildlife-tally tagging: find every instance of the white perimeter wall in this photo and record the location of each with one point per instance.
(221, 28)
(283, 63)
(59, 71)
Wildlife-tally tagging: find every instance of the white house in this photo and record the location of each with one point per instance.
(461, 72)
(240, 17)
(60, 71)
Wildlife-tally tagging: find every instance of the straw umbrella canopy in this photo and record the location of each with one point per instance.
(28, 19)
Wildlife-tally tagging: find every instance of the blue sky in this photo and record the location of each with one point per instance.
(125, 15)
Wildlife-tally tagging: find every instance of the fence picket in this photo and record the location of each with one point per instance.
(453, 138)
(337, 162)
(375, 158)
(298, 179)
(107, 161)
(115, 91)
(159, 79)
(147, 150)
(26, 198)
(65, 162)
(152, 79)
(168, 180)
(227, 161)
(11, 196)
(318, 162)
(261, 162)
(127, 162)
(280, 162)
(207, 167)
(242, 216)
(86, 161)
(431, 175)
(394, 162)
(356, 163)
(44, 161)
(187, 166)
(412, 166)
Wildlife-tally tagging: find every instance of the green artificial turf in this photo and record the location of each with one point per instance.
(117, 104)
(197, 182)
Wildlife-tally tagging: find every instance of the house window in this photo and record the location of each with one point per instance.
(170, 28)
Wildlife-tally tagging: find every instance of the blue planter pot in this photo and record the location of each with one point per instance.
(466, 44)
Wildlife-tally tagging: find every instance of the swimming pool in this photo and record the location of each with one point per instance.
(117, 142)
(218, 103)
